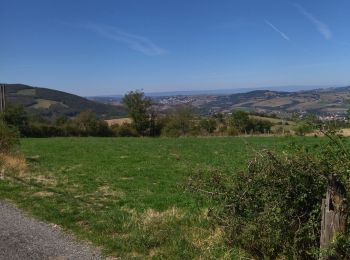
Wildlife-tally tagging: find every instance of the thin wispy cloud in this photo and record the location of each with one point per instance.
(133, 41)
(282, 34)
(319, 25)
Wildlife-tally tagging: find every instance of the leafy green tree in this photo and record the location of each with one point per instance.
(124, 130)
(303, 128)
(209, 125)
(182, 117)
(259, 126)
(89, 125)
(240, 121)
(138, 106)
(8, 137)
(17, 117)
(179, 121)
(219, 117)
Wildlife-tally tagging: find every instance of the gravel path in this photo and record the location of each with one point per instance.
(22, 238)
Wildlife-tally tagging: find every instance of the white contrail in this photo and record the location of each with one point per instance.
(283, 35)
(135, 42)
(320, 26)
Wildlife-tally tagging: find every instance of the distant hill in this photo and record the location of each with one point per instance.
(329, 101)
(53, 103)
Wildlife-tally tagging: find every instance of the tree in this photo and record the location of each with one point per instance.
(219, 117)
(258, 126)
(138, 106)
(239, 121)
(209, 125)
(303, 128)
(8, 137)
(178, 122)
(17, 117)
(183, 117)
(89, 125)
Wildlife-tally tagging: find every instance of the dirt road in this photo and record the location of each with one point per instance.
(22, 237)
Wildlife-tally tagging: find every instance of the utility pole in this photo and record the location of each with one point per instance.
(2, 98)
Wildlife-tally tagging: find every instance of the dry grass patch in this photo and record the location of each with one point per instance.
(153, 221)
(151, 216)
(119, 121)
(345, 132)
(206, 239)
(43, 194)
(107, 192)
(126, 178)
(14, 162)
(66, 169)
(45, 180)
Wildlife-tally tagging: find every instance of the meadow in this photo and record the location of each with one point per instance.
(128, 195)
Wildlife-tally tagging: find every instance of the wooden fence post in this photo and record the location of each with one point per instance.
(2, 98)
(334, 215)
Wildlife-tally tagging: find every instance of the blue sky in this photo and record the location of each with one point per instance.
(109, 47)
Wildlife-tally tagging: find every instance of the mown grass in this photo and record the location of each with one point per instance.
(128, 195)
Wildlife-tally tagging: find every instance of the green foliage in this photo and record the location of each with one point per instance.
(17, 117)
(9, 137)
(303, 128)
(139, 110)
(89, 125)
(208, 125)
(240, 123)
(239, 120)
(179, 122)
(38, 129)
(85, 124)
(258, 126)
(182, 118)
(273, 208)
(340, 249)
(124, 130)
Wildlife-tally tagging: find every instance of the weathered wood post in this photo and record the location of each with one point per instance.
(334, 212)
(2, 98)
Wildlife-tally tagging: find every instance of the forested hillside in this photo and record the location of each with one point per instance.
(53, 103)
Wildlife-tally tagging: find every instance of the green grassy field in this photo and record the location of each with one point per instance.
(128, 195)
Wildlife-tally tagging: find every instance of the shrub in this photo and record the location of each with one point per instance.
(239, 120)
(9, 137)
(36, 129)
(170, 131)
(258, 126)
(231, 131)
(15, 116)
(124, 130)
(303, 128)
(273, 208)
(208, 125)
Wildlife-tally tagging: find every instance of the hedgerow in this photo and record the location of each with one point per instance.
(272, 209)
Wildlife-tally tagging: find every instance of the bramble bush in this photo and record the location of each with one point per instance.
(273, 208)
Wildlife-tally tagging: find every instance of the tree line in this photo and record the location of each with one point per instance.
(146, 121)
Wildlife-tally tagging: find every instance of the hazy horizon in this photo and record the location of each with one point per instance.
(93, 48)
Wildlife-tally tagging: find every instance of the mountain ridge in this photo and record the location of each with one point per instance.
(52, 103)
(321, 101)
